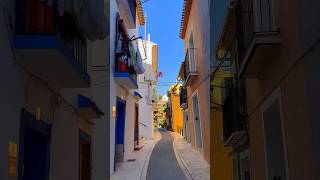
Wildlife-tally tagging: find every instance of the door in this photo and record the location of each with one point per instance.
(245, 165)
(84, 156)
(186, 126)
(34, 149)
(136, 128)
(274, 142)
(197, 123)
(120, 125)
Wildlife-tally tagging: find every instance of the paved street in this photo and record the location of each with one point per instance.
(163, 163)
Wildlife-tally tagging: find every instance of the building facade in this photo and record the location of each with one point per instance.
(174, 104)
(48, 109)
(195, 72)
(147, 82)
(125, 66)
(271, 52)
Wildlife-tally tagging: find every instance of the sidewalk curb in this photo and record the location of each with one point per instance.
(180, 160)
(143, 174)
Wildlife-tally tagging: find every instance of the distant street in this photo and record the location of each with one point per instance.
(163, 163)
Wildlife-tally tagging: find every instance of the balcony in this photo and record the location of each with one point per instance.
(125, 74)
(235, 117)
(188, 70)
(49, 46)
(183, 98)
(259, 38)
(127, 10)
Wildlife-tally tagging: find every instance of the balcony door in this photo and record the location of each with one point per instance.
(191, 54)
(275, 153)
(197, 121)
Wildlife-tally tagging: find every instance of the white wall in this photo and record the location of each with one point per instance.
(117, 91)
(146, 91)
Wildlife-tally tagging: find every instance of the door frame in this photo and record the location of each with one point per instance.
(136, 125)
(195, 93)
(123, 102)
(86, 138)
(242, 155)
(274, 96)
(28, 120)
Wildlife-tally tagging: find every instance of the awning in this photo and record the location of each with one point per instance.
(88, 108)
(137, 95)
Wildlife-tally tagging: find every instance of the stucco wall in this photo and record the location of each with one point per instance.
(177, 116)
(286, 71)
(310, 32)
(21, 90)
(221, 162)
(118, 91)
(198, 24)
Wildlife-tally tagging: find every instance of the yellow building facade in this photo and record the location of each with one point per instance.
(177, 114)
(221, 162)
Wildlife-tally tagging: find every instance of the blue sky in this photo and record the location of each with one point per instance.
(163, 24)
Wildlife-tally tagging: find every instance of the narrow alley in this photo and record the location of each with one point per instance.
(159, 90)
(163, 159)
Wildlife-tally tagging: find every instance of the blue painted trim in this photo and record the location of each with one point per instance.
(28, 120)
(137, 94)
(49, 42)
(123, 102)
(84, 102)
(37, 42)
(124, 75)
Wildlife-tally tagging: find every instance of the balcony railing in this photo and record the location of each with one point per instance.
(188, 68)
(235, 116)
(256, 25)
(183, 98)
(124, 65)
(190, 61)
(36, 17)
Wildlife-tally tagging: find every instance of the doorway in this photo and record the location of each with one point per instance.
(245, 165)
(34, 148)
(186, 130)
(197, 121)
(120, 126)
(274, 138)
(84, 156)
(136, 128)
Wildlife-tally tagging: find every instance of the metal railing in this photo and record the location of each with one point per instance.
(254, 16)
(183, 96)
(124, 61)
(190, 61)
(235, 111)
(37, 17)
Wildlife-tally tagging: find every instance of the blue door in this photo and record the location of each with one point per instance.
(120, 125)
(34, 148)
